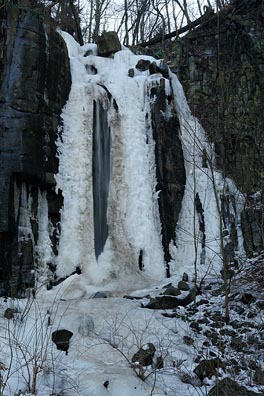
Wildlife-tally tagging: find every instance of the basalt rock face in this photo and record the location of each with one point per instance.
(221, 65)
(34, 85)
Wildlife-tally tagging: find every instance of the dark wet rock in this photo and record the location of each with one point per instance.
(172, 291)
(247, 298)
(183, 286)
(229, 387)
(195, 326)
(143, 64)
(164, 302)
(170, 168)
(208, 368)
(108, 43)
(144, 356)
(170, 302)
(62, 339)
(10, 313)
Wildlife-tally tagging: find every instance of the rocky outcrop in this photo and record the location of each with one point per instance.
(220, 65)
(34, 86)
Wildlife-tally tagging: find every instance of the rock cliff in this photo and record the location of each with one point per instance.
(220, 65)
(34, 85)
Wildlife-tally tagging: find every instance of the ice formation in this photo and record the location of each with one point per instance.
(110, 225)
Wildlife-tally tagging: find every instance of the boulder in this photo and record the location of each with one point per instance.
(172, 291)
(143, 65)
(62, 339)
(108, 43)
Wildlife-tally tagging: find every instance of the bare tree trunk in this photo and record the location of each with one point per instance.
(77, 23)
(90, 21)
(126, 39)
(167, 15)
(199, 7)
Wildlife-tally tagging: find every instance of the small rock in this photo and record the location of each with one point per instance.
(106, 383)
(144, 356)
(131, 73)
(99, 295)
(185, 277)
(247, 298)
(203, 301)
(10, 313)
(195, 326)
(172, 291)
(183, 286)
(188, 340)
(208, 368)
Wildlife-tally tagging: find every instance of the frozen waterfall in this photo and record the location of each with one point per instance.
(111, 227)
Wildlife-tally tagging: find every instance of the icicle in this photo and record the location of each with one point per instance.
(24, 225)
(43, 248)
